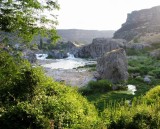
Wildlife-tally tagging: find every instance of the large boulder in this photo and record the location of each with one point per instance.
(113, 66)
(62, 48)
(100, 46)
(57, 54)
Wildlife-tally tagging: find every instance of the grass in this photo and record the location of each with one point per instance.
(101, 100)
(143, 65)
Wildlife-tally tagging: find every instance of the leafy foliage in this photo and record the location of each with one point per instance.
(137, 115)
(23, 116)
(26, 94)
(26, 18)
(96, 86)
(17, 83)
(36, 101)
(153, 95)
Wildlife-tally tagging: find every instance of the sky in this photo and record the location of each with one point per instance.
(98, 14)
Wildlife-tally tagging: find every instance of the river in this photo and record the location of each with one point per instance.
(67, 63)
(66, 70)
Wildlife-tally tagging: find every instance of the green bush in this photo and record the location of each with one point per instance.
(26, 94)
(66, 106)
(143, 120)
(50, 57)
(18, 79)
(23, 116)
(100, 85)
(96, 86)
(153, 95)
(138, 115)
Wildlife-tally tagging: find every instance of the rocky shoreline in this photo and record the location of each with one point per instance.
(73, 77)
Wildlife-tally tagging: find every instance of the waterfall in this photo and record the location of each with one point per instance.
(70, 56)
(41, 56)
(67, 63)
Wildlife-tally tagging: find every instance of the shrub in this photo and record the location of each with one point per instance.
(66, 106)
(138, 115)
(100, 85)
(153, 95)
(23, 116)
(50, 57)
(142, 120)
(26, 94)
(96, 86)
(18, 79)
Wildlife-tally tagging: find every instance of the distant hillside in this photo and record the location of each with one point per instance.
(83, 36)
(141, 26)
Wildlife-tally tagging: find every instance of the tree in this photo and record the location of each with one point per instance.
(27, 18)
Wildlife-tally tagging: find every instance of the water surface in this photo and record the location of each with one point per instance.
(68, 63)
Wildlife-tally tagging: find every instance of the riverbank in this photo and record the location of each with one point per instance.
(74, 77)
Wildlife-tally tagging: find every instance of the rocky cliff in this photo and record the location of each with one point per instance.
(100, 46)
(140, 24)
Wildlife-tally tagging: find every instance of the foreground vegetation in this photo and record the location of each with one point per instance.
(29, 99)
(121, 110)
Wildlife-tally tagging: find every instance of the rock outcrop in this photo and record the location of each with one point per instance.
(100, 46)
(29, 55)
(61, 49)
(139, 23)
(113, 66)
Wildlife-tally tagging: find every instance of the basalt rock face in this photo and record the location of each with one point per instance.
(113, 66)
(61, 49)
(100, 46)
(140, 22)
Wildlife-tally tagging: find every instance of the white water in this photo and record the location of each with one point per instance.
(41, 56)
(132, 89)
(68, 63)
